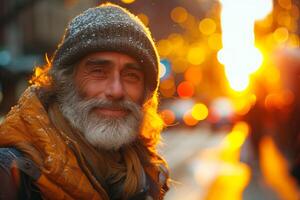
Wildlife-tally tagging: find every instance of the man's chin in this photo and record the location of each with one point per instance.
(110, 138)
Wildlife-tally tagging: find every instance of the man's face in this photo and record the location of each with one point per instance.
(112, 76)
(105, 99)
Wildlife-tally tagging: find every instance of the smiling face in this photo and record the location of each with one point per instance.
(111, 76)
(103, 99)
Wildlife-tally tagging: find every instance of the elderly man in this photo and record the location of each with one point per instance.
(88, 127)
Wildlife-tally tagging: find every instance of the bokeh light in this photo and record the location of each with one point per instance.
(167, 84)
(176, 39)
(236, 138)
(199, 111)
(164, 69)
(242, 106)
(193, 74)
(164, 48)
(295, 12)
(179, 14)
(279, 100)
(168, 93)
(294, 41)
(196, 55)
(207, 26)
(167, 87)
(144, 18)
(266, 22)
(275, 170)
(273, 80)
(284, 18)
(215, 41)
(185, 89)
(239, 54)
(281, 34)
(188, 119)
(286, 4)
(168, 116)
(179, 65)
(128, 1)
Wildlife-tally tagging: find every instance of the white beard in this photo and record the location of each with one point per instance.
(102, 132)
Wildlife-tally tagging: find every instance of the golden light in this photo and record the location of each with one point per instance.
(235, 139)
(275, 170)
(164, 48)
(167, 84)
(286, 4)
(128, 1)
(40, 76)
(168, 92)
(167, 87)
(215, 41)
(179, 65)
(179, 14)
(266, 22)
(239, 54)
(185, 89)
(196, 55)
(189, 119)
(281, 34)
(176, 39)
(199, 111)
(279, 100)
(284, 18)
(294, 40)
(193, 74)
(275, 75)
(207, 26)
(144, 18)
(295, 12)
(232, 175)
(242, 106)
(168, 116)
(230, 182)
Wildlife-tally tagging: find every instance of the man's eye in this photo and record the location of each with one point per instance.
(132, 76)
(98, 70)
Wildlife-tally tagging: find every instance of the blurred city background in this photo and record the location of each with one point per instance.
(229, 88)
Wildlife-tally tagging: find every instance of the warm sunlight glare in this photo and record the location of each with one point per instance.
(275, 170)
(232, 175)
(239, 54)
(234, 140)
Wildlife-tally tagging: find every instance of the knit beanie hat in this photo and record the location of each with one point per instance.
(109, 27)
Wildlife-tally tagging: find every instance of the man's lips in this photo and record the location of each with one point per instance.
(112, 112)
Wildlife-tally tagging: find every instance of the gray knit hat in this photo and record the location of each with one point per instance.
(109, 27)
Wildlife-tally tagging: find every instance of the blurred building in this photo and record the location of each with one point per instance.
(29, 29)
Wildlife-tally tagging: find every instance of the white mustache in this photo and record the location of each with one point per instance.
(134, 108)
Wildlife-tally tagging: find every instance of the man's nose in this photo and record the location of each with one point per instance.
(115, 89)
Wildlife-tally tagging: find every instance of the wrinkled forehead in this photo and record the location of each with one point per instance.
(110, 58)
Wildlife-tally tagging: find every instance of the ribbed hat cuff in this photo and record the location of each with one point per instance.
(131, 43)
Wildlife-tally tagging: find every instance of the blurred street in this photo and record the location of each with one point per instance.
(228, 86)
(180, 148)
(202, 168)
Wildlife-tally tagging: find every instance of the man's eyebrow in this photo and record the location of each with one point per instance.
(135, 66)
(97, 62)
